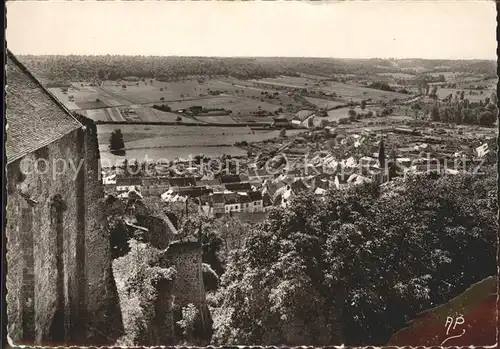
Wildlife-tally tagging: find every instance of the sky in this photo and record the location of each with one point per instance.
(457, 29)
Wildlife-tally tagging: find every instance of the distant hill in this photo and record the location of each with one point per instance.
(85, 68)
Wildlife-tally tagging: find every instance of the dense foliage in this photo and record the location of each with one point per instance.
(137, 274)
(380, 85)
(461, 111)
(367, 259)
(86, 68)
(116, 144)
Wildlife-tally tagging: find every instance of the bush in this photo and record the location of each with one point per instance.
(486, 118)
(137, 275)
(163, 107)
(386, 111)
(116, 144)
(188, 322)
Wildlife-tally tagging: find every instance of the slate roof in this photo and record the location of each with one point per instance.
(266, 198)
(218, 198)
(229, 179)
(35, 117)
(182, 181)
(231, 198)
(255, 195)
(126, 181)
(192, 192)
(241, 186)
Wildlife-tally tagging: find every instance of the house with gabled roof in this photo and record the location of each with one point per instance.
(60, 286)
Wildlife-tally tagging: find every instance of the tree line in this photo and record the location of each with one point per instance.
(113, 67)
(457, 109)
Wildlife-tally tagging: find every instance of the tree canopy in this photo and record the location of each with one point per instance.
(116, 143)
(364, 260)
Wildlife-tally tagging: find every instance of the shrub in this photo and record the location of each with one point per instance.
(188, 321)
(137, 275)
(386, 111)
(487, 118)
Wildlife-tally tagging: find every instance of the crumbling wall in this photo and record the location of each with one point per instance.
(163, 329)
(158, 235)
(104, 323)
(59, 279)
(186, 258)
(41, 185)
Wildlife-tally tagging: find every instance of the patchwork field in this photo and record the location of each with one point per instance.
(444, 92)
(105, 114)
(63, 98)
(177, 141)
(403, 76)
(236, 104)
(222, 119)
(323, 103)
(241, 97)
(335, 115)
(357, 93)
(288, 81)
(347, 92)
(167, 154)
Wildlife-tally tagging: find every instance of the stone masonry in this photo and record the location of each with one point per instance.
(60, 288)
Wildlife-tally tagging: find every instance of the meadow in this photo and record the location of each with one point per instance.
(356, 93)
(324, 103)
(172, 153)
(404, 76)
(188, 135)
(444, 92)
(288, 81)
(337, 114)
(347, 92)
(157, 140)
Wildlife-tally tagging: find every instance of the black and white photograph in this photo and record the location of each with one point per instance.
(251, 173)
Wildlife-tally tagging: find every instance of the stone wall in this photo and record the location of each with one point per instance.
(186, 258)
(104, 323)
(159, 235)
(48, 255)
(59, 279)
(163, 329)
